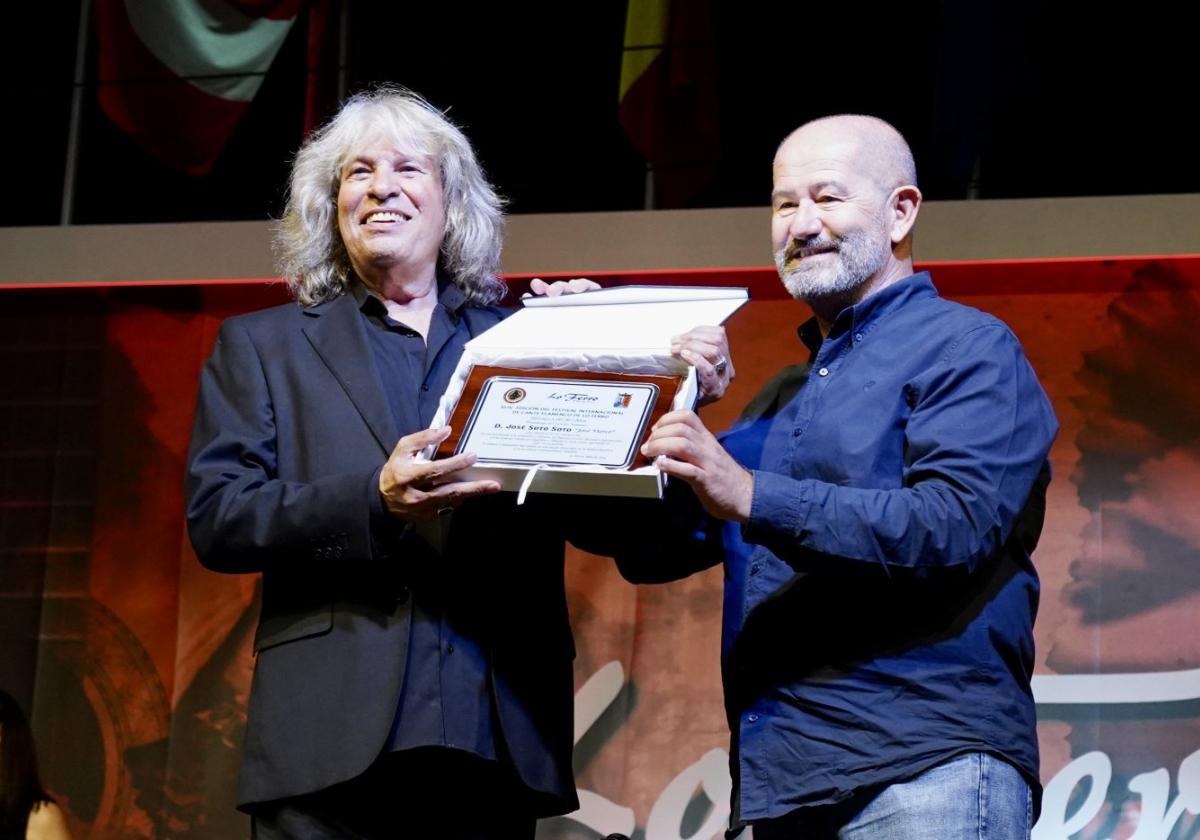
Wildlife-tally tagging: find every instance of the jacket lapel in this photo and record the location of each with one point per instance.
(336, 332)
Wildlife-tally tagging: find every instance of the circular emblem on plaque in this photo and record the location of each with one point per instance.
(514, 395)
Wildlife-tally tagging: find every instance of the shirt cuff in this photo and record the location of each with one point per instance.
(776, 508)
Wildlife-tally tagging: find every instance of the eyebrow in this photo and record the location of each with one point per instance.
(416, 158)
(816, 187)
(836, 186)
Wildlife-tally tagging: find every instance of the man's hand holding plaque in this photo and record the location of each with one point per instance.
(413, 490)
(707, 350)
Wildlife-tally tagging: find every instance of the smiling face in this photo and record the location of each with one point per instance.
(391, 213)
(843, 206)
(829, 225)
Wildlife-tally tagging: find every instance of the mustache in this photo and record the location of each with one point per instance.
(799, 248)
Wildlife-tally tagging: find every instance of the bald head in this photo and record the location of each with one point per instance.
(871, 146)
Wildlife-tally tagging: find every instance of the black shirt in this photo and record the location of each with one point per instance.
(446, 700)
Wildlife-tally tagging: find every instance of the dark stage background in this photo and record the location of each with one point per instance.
(1000, 99)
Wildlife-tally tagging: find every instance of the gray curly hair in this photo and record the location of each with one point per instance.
(308, 246)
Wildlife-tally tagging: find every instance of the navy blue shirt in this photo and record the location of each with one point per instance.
(446, 700)
(879, 602)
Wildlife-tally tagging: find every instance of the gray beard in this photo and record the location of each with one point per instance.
(859, 257)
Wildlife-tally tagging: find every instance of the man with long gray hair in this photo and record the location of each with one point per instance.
(413, 672)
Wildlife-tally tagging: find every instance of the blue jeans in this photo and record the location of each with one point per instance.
(976, 796)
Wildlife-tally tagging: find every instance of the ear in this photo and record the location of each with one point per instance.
(904, 205)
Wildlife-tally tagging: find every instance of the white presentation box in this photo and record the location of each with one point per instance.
(624, 330)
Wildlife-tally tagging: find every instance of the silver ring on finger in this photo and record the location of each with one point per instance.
(721, 365)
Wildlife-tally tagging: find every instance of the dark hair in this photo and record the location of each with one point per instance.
(20, 786)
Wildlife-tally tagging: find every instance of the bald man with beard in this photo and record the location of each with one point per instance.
(875, 509)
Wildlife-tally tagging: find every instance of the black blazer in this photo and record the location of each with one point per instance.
(291, 427)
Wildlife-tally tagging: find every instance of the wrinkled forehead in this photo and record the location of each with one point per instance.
(408, 134)
(819, 155)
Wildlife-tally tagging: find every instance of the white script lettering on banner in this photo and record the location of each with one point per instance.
(710, 774)
(1157, 816)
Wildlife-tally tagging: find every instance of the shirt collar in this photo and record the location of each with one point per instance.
(450, 298)
(863, 315)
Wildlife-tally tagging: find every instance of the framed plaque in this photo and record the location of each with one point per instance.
(557, 417)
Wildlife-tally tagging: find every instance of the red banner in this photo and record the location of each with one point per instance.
(135, 662)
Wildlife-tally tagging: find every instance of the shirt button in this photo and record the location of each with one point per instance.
(858, 336)
(756, 568)
(450, 648)
(823, 372)
(425, 387)
(752, 718)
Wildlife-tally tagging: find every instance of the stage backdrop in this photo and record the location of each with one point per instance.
(135, 662)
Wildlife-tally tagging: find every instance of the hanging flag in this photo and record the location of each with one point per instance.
(668, 94)
(178, 76)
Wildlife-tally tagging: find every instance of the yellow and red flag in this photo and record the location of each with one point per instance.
(668, 94)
